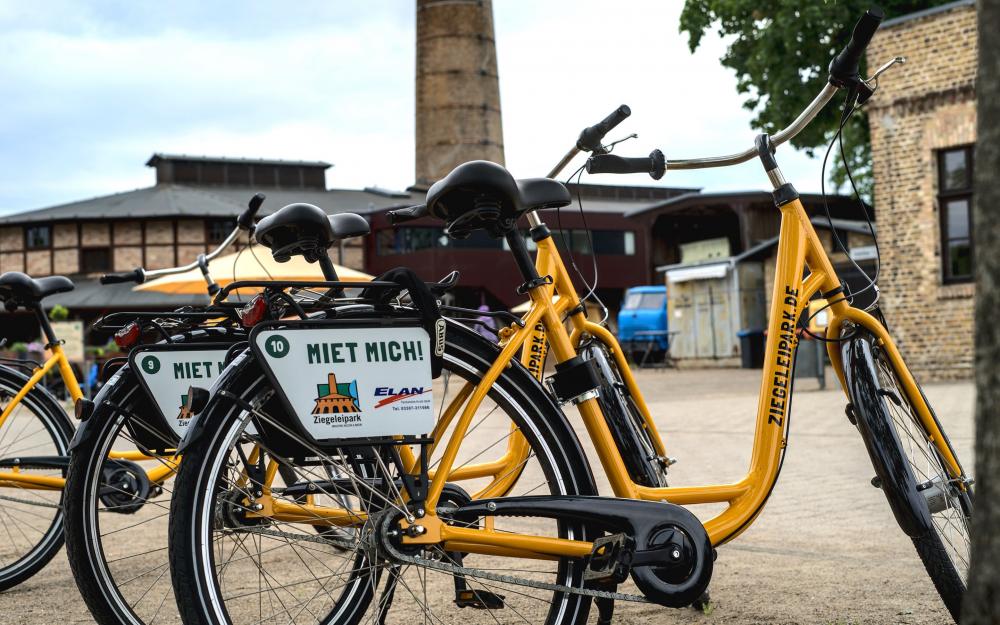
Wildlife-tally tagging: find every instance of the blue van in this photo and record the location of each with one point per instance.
(644, 310)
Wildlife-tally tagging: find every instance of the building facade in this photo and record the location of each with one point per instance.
(923, 129)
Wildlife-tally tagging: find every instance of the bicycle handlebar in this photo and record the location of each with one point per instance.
(846, 61)
(654, 164)
(243, 223)
(591, 137)
(844, 68)
(137, 275)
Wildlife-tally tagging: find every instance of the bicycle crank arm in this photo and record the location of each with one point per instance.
(667, 552)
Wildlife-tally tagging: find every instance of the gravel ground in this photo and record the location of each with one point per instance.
(825, 550)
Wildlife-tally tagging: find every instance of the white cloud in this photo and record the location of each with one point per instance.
(92, 91)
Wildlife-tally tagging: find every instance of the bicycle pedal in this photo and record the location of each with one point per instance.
(479, 600)
(610, 559)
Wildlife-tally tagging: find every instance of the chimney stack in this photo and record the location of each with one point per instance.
(458, 91)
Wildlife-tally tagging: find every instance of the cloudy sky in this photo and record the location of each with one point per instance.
(89, 90)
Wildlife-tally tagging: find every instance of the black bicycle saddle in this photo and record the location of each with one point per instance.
(483, 195)
(306, 230)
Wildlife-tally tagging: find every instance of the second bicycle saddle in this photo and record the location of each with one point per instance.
(483, 195)
(306, 230)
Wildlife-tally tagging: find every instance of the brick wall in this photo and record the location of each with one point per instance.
(926, 105)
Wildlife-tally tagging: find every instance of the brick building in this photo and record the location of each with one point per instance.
(189, 210)
(923, 127)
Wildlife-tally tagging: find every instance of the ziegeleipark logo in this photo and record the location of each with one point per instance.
(185, 410)
(151, 364)
(276, 346)
(336, 398)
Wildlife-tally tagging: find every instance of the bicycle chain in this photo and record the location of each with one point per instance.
(454, 569)
(31, 502)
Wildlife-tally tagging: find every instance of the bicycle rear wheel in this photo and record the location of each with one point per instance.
(116, 518)
(31, 517)
(941, 503)
(229, 567)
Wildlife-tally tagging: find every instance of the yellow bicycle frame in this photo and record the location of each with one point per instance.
(799, 249)
(16, 478)
(543, 327)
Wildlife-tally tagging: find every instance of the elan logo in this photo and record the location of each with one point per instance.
(392, 395)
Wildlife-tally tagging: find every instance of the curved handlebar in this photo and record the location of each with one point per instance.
(137, 275)
(654, 164)
(844, 68)
(847, 61)
(245, 221)
(591, 137)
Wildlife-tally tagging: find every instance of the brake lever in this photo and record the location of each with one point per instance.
(611, 146)
(901, 60)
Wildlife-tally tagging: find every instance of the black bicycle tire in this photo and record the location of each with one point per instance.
(40, 402)
(928, 545)
(547, 422)
(114, 405)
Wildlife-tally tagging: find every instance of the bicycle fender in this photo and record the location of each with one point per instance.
(881, 441)
(230, 375)
(102, 401)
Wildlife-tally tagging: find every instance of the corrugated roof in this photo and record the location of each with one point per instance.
(90, 294)
(171, 200)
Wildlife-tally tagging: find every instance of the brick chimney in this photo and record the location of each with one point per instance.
(458, 92)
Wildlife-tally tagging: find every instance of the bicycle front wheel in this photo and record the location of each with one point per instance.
(34, 442)
(230, 565)
(925, 484)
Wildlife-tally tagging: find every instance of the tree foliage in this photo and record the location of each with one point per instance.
(780, 51)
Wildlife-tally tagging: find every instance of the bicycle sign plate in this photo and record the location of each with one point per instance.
(168, 373)
(352, 382)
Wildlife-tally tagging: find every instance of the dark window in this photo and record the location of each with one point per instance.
(620, 242)
(955, 204)
(95, 260)
(478, 240)
(219, 229)
(314, 177)
(289, 177)
(844, 237)
(38, 237)
(185, 171)
(213, 173)
(238, 175)
(417, 238)
(264, 175)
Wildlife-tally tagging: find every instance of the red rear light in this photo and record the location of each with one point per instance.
(128, 336)
(254, 312)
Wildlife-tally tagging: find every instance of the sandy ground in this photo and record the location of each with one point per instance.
(825, 550)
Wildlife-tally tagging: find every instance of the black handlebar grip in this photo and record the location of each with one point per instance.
(245, 221)
(402, 215)
(591, 137)
(655, 164)
(137, 275)
(844, 69)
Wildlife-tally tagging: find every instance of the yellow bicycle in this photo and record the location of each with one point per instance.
(421, 521)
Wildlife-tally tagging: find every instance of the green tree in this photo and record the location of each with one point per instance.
(780, 51)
